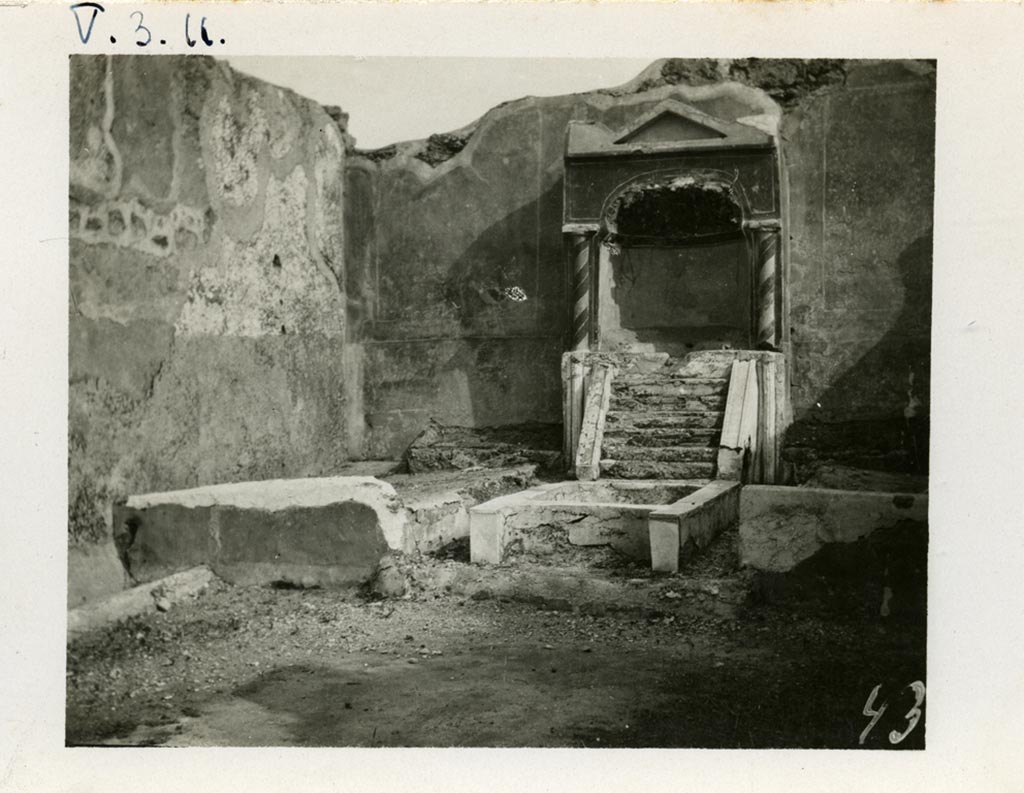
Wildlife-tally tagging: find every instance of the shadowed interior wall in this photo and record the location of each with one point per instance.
(861, 168)
(678, 299)
(206, 311)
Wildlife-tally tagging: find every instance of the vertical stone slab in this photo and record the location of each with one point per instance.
(708, 511)
(486, 537)
(770, 440)
(730, 451)
(573, 376)
(748, 437)
(588, 450)
(330, 530)
(691, 523)
(665, 543)
(332, 544)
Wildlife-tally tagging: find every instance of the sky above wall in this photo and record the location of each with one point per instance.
(395, 99)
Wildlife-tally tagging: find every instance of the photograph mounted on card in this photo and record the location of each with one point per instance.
(488, 402)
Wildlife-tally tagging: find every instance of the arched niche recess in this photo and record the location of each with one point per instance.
(672, 229)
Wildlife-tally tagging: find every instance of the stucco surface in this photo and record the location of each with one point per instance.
(782, 526)
(860, 163)
(206, 313)
(436, 252)
(434, 243)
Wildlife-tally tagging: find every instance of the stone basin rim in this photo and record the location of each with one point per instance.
(535, 496)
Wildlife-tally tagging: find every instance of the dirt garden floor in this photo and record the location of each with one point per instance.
(541, 652)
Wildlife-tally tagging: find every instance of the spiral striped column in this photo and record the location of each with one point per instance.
(579, 257)
(767, 267)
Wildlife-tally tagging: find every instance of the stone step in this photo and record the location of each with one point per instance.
(662, 419)
(669, 454)
(639, 469)
(715, 363)
(707, 363)
(667, 401)
(651, 384)
(661, 436)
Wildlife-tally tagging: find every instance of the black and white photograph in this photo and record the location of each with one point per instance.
(520, 396)
(600, 420)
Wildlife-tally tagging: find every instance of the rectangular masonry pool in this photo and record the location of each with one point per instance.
(627, 515)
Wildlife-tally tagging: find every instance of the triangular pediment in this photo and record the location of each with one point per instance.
(670, 126)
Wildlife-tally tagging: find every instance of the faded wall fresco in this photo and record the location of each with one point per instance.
(207, 315)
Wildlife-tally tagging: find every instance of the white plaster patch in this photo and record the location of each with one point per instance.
(327, 172)
(271, 285)
(769, 124)
(99, 169)
(281, 122)
(236, 146)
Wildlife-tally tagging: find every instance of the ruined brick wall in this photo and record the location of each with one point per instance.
(206, 312)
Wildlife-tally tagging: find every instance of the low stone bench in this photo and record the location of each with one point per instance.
(782, 526)
(438, 503)
(325, 531)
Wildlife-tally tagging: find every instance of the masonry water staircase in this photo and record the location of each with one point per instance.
(711, 415)
(660, 449)
(663, 425)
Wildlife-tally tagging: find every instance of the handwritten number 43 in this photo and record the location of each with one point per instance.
(913, 716)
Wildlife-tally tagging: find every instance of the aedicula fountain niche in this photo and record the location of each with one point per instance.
(675, 378)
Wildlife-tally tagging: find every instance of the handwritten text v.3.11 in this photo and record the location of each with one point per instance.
(136, 31)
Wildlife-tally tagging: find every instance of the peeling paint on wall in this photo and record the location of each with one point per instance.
(239, 129)
(206, 310)
(132, 224)
(268, 285)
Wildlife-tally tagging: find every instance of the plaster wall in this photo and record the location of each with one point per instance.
(207, 313)
(675, 300)
(860, 164)
(437, 242)
(440, 231)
